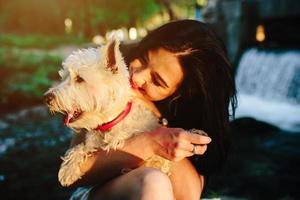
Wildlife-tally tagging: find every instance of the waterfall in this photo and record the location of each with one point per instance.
(268, 85)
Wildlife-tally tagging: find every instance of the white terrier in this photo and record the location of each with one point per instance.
(95, 94)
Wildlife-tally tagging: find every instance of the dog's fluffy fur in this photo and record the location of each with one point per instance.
(95, 85)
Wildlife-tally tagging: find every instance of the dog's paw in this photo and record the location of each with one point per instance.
(69, 174)
(160, 163)
(69, 171)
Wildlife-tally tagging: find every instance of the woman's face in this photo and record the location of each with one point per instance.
(158, 77)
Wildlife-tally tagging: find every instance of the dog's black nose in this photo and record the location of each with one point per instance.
(48, 98)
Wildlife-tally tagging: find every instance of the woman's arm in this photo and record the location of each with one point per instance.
(171, 143)
(102, 166)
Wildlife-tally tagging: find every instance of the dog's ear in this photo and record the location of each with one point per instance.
(111, 56)
(113, 59)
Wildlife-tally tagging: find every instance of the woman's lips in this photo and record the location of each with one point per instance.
(136, 87)
(133, 84)
(142, 91)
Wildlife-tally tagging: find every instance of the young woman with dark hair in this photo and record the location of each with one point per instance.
(183, 69)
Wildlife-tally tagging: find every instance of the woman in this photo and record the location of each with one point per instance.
(182, 67)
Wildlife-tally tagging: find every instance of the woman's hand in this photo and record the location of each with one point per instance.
(176, 144)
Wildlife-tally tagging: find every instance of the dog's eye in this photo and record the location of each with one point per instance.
(79, 79)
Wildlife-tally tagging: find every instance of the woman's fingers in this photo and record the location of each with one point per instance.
(184, 145)
(175, 151)
(200, 149)
(175, 144)
(186, 148)
(195, 138)
(181, 150)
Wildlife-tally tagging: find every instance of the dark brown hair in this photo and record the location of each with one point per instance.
(208, 89)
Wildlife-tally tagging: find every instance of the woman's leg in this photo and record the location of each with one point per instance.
(141, 183)
(186, 182)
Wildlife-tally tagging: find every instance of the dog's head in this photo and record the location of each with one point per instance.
(94, 88)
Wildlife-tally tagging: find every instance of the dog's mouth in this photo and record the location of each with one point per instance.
(72, 116)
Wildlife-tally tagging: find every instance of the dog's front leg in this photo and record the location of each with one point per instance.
(70, 168)
(69, 171)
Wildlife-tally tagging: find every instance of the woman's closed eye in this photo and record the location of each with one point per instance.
(157, 80)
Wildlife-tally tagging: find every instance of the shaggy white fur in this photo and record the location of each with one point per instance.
(95, 88)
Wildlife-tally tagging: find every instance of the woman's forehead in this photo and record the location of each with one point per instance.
(167, 65)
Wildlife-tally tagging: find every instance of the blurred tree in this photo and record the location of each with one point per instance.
(177, 9)
(109, 14)
(167, 4)
(88, 17)
(29, 16)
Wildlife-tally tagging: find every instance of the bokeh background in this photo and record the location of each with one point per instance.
(263, 43)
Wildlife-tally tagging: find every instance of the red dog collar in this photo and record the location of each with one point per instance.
(120, 117)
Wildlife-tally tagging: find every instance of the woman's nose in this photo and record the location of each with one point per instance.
(140, 77)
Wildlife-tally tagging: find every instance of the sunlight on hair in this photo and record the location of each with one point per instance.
(185, 52)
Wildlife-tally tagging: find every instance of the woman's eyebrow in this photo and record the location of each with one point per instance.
(161, 79)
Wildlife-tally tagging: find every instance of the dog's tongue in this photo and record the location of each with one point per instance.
(68, 116)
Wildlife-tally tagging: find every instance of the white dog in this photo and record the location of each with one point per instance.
(95, 94)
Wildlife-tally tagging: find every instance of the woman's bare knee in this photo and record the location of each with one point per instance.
(141, 183)
(155, 185)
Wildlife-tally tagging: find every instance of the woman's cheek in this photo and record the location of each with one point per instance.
(156, 95)
(150, 94)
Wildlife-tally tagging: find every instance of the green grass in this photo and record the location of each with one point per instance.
(25, 75)
(26, 67)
